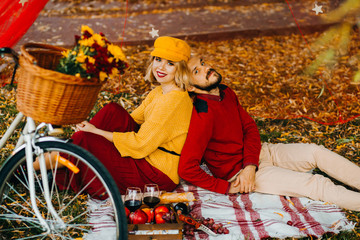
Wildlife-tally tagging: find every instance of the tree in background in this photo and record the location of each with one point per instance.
(337, 39)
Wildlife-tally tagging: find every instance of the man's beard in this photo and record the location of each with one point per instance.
(212, 85)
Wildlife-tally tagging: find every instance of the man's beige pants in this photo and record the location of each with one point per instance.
(285, 169)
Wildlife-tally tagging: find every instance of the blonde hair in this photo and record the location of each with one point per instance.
(182, 73)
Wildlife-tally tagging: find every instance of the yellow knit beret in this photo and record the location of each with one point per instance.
(172, 49)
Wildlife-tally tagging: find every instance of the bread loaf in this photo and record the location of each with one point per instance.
(170, 197)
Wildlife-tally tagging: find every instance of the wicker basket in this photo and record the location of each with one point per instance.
(49, 96)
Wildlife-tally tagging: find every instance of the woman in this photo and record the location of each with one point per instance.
(144, 147)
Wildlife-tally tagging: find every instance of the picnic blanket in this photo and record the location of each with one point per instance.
(247, 216)
(259, 216)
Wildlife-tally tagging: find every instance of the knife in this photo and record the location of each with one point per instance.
(197, 225)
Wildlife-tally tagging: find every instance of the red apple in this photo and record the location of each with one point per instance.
(159, 217)
(160, 209)
(150, 214)
(138, 217)
(127, 212)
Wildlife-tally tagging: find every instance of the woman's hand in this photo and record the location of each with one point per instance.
(85, 126)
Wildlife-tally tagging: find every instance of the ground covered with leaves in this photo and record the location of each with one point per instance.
(269, 76)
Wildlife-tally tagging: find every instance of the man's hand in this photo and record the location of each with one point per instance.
(245, 181)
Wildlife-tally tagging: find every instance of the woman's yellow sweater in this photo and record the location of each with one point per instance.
(164, 120)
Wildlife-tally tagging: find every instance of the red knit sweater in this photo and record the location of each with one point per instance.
(224, 136)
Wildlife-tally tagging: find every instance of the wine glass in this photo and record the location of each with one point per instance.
(133, 198)
(151, 195)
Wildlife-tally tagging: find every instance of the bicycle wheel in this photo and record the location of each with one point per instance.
(87, 214)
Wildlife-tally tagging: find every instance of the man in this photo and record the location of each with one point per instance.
(226, 139)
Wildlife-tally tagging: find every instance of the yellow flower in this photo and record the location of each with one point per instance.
(102, 76)
(77, 75)
(84, 66)
(99, 40)
(116, 52)
(81, 57)
(87, 42)
(85, 28)
(91, 60)
(65, 53)
(114, 73)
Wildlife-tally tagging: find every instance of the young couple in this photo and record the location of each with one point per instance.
(169, 135)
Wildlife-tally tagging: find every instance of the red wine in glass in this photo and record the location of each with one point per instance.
(151, 196)
(151, 201)
(133, 198)
(132, 205)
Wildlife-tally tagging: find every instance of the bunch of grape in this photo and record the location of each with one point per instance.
(169, 217)
(217, 228)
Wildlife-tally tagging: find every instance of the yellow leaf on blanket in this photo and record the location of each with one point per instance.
(279, 214)
(291, 202)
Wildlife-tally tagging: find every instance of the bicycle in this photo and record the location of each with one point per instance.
(43, 204)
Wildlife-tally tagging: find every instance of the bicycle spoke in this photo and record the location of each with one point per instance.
(63, 237)
(17, 229)
(34, 222)
(79, 193)
(11, 217)
(70, 180)
(73, 226)
(79, 216)
(83, 224)
(27, 187)
(33, 237)
(24, 174)
(16, 203)
(53, 184)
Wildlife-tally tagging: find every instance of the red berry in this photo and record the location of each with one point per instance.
(290, 223)
(215, 226)
(211, 221)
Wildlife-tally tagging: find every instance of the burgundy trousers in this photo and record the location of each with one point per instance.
(126, 171)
